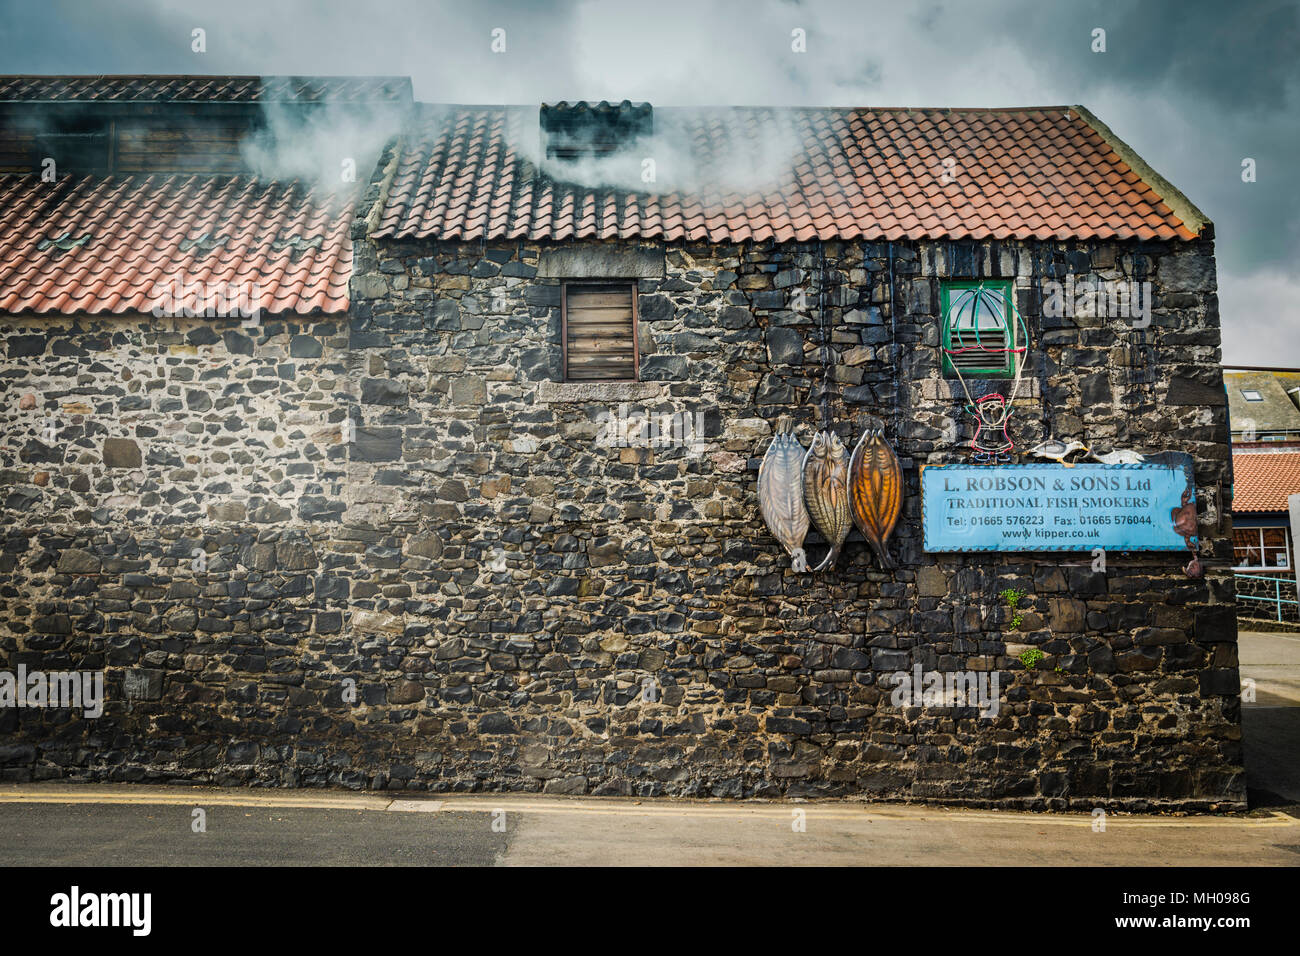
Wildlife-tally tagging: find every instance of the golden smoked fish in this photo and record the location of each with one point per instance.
(826, 492)
(876, 492)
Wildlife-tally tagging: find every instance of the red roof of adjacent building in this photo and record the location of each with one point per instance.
(106, 244)
(109, 244)
(876, 174)
(1261, 481)
(204, 89)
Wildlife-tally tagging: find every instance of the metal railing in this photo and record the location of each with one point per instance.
(1261, 591)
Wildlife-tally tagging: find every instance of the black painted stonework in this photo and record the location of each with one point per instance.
(390, 564)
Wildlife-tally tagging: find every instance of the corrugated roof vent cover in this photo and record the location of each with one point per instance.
(573, 130)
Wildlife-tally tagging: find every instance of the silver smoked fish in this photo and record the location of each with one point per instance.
(780, 494)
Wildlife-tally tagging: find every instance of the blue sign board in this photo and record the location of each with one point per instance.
(1055, 507)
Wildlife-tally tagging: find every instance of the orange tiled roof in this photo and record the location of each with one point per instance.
(877, 174)
(1261, 481)
(105, 245)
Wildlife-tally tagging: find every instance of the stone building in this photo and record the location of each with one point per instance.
(1264, 417)
(1263, 407)
(485, 517)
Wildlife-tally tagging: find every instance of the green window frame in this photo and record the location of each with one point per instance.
(978, 314)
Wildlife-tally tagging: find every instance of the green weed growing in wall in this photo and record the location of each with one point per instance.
(1012, 597)
(1030, 657)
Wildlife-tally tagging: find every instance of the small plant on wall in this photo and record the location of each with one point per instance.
(1030, 657)
(1013, 598)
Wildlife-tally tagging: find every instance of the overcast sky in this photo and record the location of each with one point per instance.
(1195, 86)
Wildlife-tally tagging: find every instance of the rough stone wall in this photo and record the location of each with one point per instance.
(241, 525)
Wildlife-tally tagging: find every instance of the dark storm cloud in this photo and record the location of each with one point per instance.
(1240, 58)
(1197, 87)
(1194, 87)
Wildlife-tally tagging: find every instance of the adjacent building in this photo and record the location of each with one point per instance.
(1264, 410)
(1263, 406)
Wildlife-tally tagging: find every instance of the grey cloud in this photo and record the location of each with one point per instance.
(1193, 85)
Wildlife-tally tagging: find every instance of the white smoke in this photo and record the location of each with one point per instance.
(705, 152)
(334, 145)
(934, 53)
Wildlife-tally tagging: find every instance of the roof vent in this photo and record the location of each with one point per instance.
(576, 130)
(63, 243)
(298, 244)
(204, 242)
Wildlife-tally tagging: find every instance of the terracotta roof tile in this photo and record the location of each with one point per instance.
(874, 174)
(290, 242)
(1262, 480)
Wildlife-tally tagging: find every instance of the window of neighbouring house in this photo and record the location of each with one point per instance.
(598, 328)
(979, 335)
(1261, 548)
(1251, 395)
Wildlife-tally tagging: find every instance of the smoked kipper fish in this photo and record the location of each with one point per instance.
(780, 493)
(876, 492)
(826, 492)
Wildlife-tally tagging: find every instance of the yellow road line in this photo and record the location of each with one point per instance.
(900, 814)
(863, 813)
(198, 799)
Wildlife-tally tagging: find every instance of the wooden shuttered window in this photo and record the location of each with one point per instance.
(599, 330)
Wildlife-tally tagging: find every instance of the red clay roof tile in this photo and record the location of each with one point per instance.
(875, 174)
(141, 236)
(1263, 480)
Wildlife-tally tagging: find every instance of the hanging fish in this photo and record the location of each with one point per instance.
(876, 492)
(826, 491)
(780, 493)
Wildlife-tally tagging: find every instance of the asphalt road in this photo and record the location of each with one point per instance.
(45, 824)
(1271, 725)
(62, 824)
(145, 835)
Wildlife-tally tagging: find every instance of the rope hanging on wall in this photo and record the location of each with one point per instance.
(1042, 258)
(825, 334)
(893, 337)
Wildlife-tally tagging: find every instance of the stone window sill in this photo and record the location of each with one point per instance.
(560, 392)
(945, 389)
